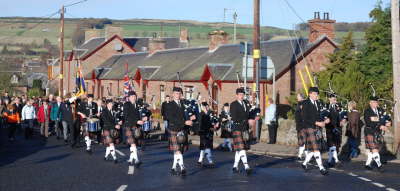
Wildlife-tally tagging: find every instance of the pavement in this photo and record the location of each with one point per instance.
(40, 164)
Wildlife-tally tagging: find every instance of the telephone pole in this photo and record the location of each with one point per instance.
(234, 27)
(61, 87)
(256, 58)
(396, 69)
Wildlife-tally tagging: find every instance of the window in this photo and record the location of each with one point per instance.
(162, 93)
(189, 92)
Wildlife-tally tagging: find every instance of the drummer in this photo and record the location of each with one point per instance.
(111, 128)
(88, 112)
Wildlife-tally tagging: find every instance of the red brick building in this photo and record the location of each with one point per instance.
(210, 72)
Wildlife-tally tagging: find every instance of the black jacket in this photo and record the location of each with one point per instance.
(310, 114)
(298, 116)
(108, 120)
(371, 126)
(176, 116)
(239, 115)
(334, 114)
(131, 114)
(85, 109)
(65, 111)
(163, 110)
(205, 124)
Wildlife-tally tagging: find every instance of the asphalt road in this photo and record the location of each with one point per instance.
(50, 165)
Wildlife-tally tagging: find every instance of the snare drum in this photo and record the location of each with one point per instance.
(93, 125)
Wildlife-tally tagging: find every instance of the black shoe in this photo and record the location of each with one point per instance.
(130, 163)
(200, 164)
(137, 164)
(249, 171)
(183, 172)
(211, 165)
(115, 161)
(89, 151)
(338, 164)
(304, 167)
(323, 171)
(65, 142)
(173, 171)
(58, 138)
(105, 158)
(368, 167)
(235, 170)
(380, 169)
(299, 158)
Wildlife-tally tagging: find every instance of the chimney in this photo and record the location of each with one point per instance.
(217, 38)
(91, 33)
(110, 31)
(184, 38)
(156, 44)
(319, 27)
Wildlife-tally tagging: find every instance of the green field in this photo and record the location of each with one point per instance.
(29, 30)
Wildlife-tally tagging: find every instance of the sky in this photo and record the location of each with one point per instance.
(273, 12)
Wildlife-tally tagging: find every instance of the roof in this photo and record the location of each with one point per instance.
(137, 43)
(223, 63)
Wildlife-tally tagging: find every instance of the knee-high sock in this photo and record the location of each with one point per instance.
(309, 155)
(180, 161)
(209, 155)
(88, 142)
(175, 161)
(243, 157)
(201, 156)
(318, 158)
(369, 158)
(377, 158)
(134, 154)
(112, 151)
(301, 151)
(335, 155)
(237, 160)
(107, 151)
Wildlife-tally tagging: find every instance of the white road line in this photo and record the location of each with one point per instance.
(390, 189)
(131, 169)
(120, 153)
(378, 184)
(351, 174)
(122, 187)
(365, 179)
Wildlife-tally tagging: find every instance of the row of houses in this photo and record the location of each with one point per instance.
(211, 72)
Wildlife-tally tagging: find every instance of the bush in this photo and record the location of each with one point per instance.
(37, 92)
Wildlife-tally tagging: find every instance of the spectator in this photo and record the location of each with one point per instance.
(28, 116)
(12, 119)
(270, 121)
(55, 116)
(2, 110)
(353, 130)
(5, 96)
(44, 118)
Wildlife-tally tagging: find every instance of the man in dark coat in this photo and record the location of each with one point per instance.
(299, 126)
(110, 129)
(333, 130)
(206, 132)
(239, 111)
(313, 122)
(88, 111)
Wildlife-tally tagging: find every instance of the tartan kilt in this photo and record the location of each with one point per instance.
(173, 143)
(238, 142)
(301, 137)
(311, 141)
(333, 139)
(129, 134)
(371, 142)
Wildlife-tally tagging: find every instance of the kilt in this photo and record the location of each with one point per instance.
(371, 142)
(224, 131)
(311, 141)
(301, 137)
(110, 136)
(238, 142)
(206, 141)
(333, 139)
(173, 143)
(130, 137)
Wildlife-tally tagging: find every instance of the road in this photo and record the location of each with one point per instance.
(40, 164)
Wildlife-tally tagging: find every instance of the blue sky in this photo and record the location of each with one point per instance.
(273, 12)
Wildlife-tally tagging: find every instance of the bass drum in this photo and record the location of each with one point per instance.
(93, 125)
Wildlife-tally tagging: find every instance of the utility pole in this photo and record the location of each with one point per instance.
(396, 69)
(234, 27)
(61, 87)
(256, 56)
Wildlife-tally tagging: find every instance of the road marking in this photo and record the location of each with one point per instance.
(120, 153)
(390, 189)
(131, 169)
(378, 184)
(351, 174)
(365, 179)
(122, 187)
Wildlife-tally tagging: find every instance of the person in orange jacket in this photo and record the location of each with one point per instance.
(12, 119)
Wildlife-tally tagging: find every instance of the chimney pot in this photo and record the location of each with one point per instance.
(217, 38)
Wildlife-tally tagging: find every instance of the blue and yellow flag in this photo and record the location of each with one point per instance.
(80, 82)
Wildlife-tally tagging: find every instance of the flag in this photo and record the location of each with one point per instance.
(79, 82)
(127, 82)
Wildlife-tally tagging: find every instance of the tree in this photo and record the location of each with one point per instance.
(376, 55)
(344, 73)
(5, 50)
